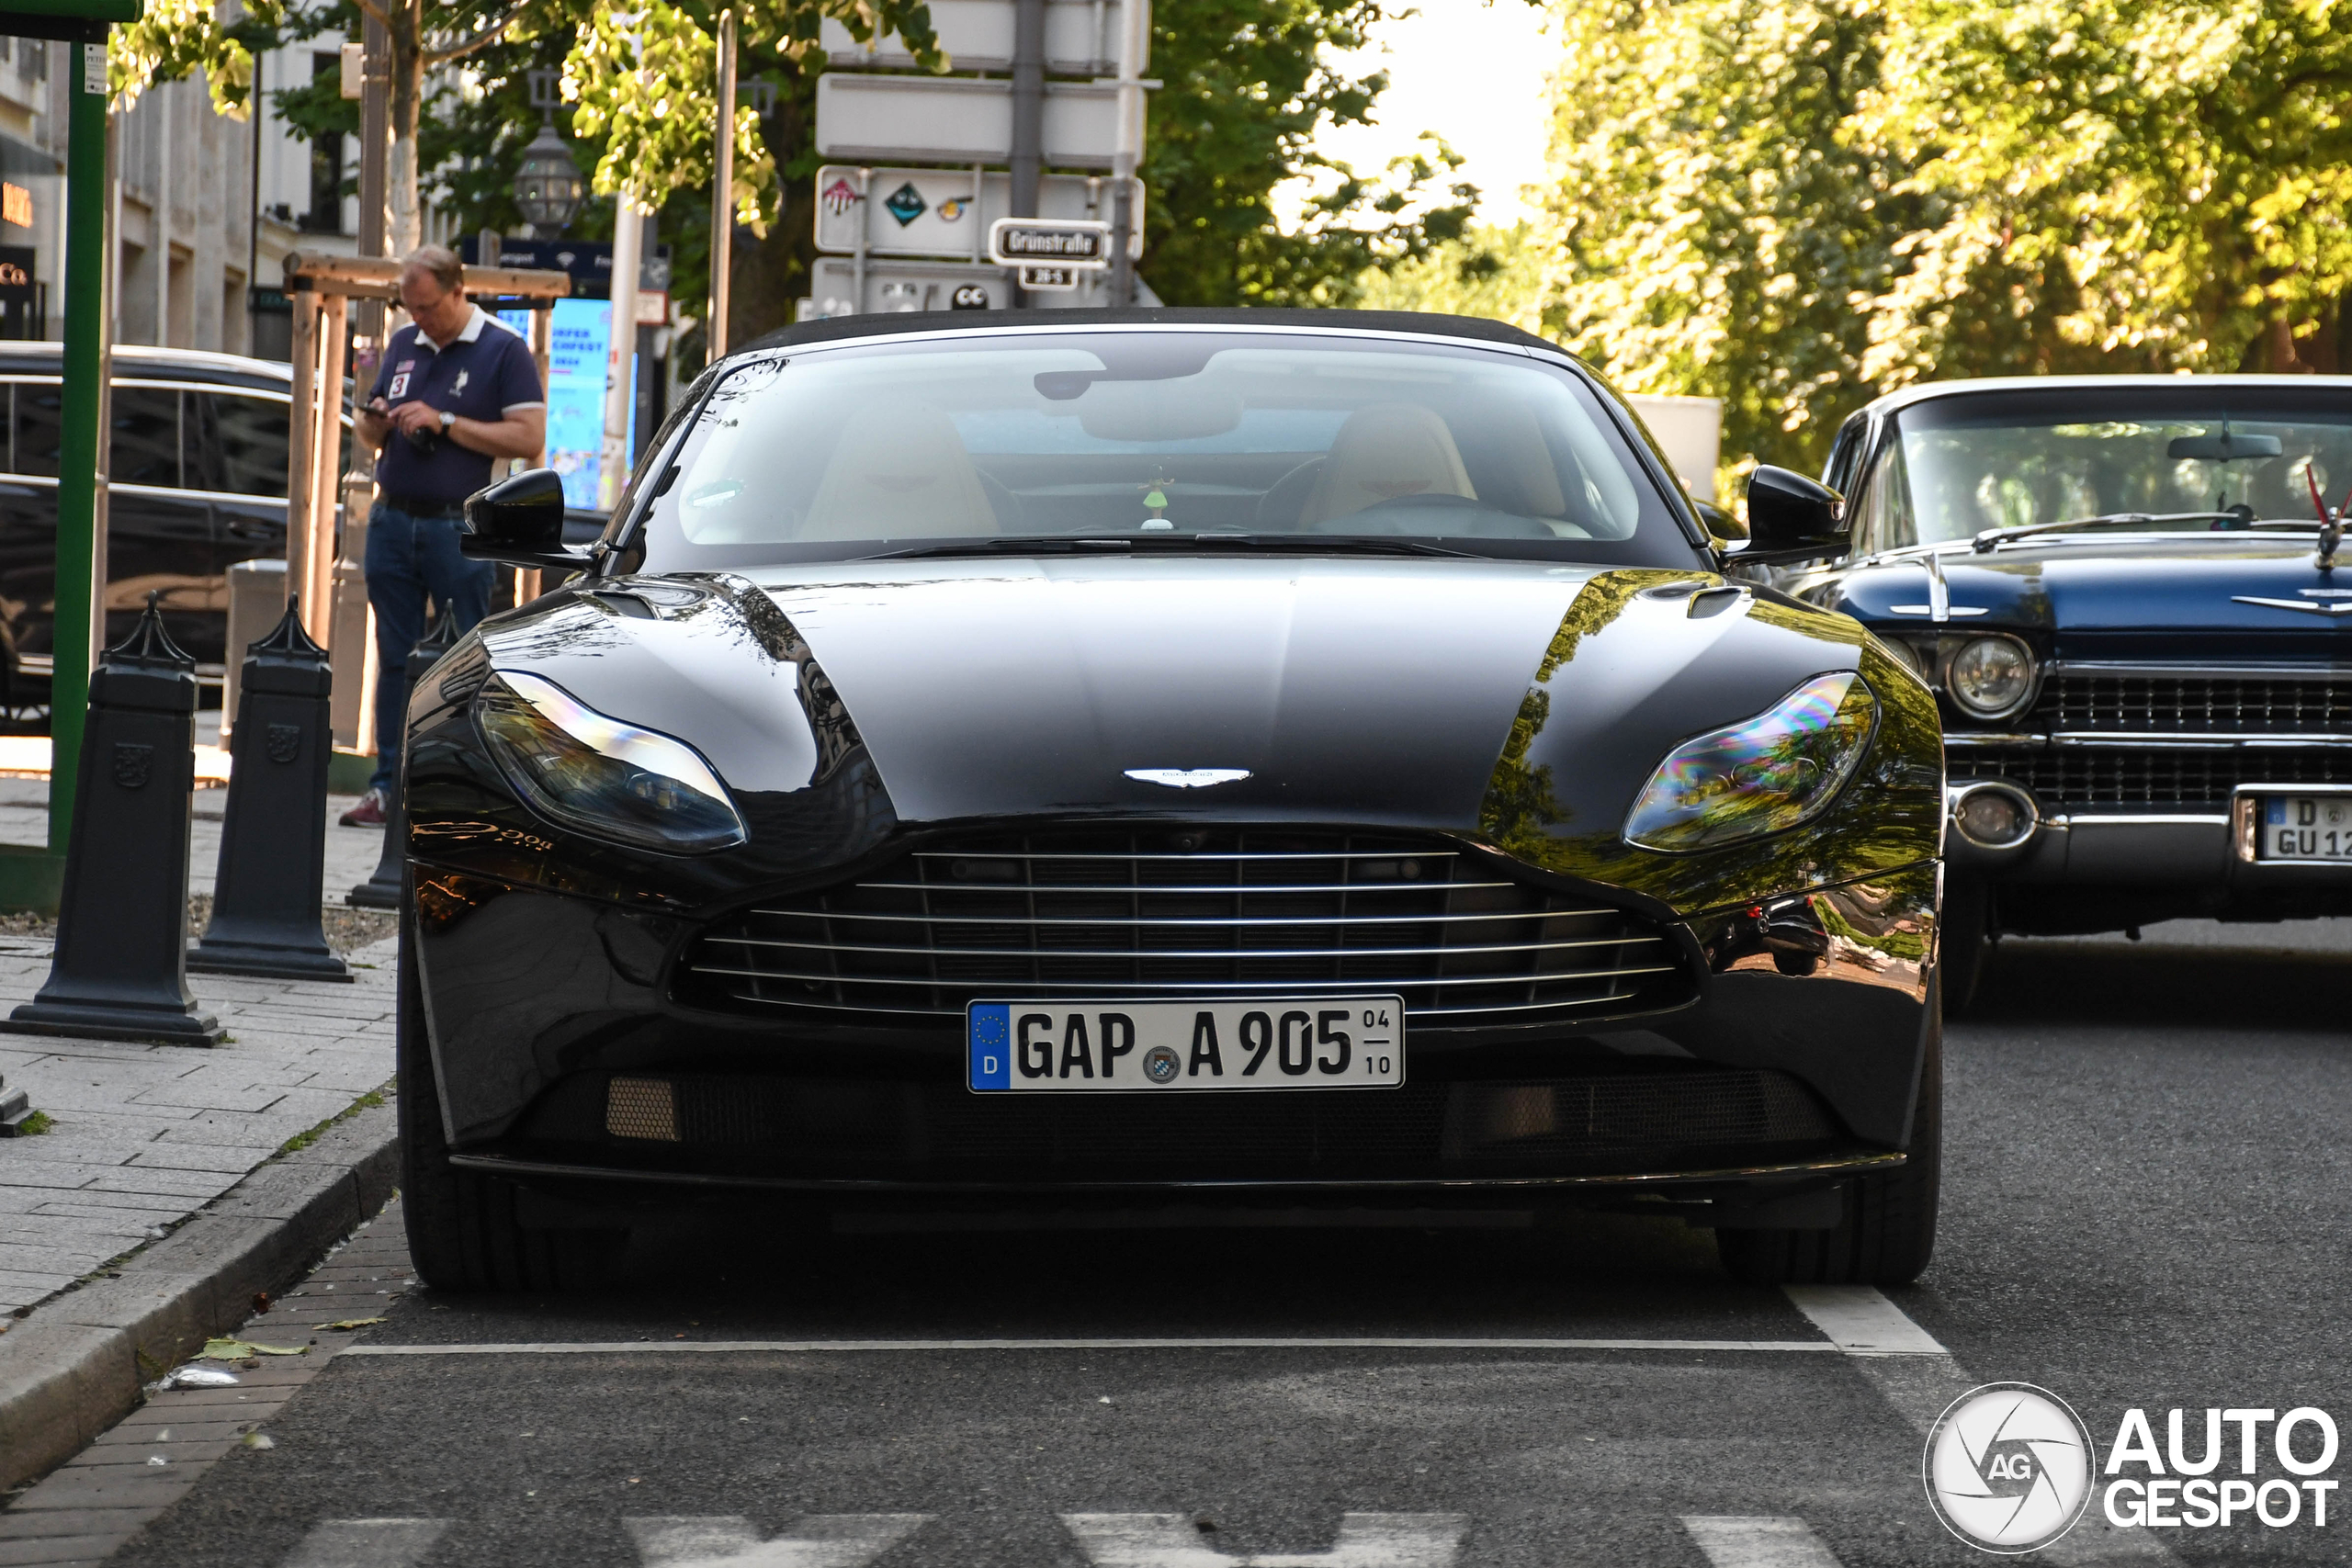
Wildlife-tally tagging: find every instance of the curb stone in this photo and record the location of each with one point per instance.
(74, 1369)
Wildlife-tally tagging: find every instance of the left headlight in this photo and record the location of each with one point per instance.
(607, 779)
(1766, 774)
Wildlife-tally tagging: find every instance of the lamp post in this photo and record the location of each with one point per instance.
(547, 185)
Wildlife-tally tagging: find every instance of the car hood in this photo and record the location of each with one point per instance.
(2136, 597)
(1323, 689)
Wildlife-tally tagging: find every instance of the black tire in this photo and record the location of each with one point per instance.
(1964, 941)
(464, 1233)
(1889, 1230)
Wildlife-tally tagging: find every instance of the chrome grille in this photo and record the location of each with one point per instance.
(1168, 915)
(2194, 704)
(2152, 780)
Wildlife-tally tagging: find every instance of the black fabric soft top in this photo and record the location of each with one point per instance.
(837, 328)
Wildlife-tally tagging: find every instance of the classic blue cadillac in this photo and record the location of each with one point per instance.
(2125, 592)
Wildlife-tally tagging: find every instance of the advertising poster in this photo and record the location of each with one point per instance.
(576, 392)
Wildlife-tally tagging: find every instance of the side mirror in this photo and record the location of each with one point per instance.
(519, 520)
(1791, 518)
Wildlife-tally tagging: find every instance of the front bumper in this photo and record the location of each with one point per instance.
(1796, 1063)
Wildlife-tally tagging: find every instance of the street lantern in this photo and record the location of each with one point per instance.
(547, 186)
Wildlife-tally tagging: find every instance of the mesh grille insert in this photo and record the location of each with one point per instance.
(1172, 915)
(2194, 704)
(2152, 780)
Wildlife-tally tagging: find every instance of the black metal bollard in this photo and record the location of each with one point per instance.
(274, 833)
(382, 889)
(120, 969)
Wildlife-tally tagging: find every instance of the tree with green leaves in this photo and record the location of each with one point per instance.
(1793, 205)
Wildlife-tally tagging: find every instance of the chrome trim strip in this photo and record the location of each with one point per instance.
(1968, 740)
(1089, 991)
(1157, 953)
(1213, 889)
(2131, 819)
(2148, 741)
(2305, 671)
(1209, 857)
(1214, 922)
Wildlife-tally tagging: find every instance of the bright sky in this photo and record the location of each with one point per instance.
(1474, 73)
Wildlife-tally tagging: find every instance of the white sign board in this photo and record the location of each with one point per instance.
(1081, 38)
(955, 119)
(1060, 243)
(1050, 279)
(898, 286)
(936, 212)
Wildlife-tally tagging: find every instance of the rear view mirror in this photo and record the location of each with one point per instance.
(1791, 518)
(519, 520)
(2223, 448)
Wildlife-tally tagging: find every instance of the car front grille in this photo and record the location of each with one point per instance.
(1172, 915)
(2193, 704)
(2151, 779)
(1665, 1116)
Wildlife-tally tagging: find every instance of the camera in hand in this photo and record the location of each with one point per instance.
(423, 440)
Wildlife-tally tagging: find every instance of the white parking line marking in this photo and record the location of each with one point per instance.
(819, 1541)
(1860, 1322)
(366, 1543)
(811, 1346)
(1737, 1543)
(1365, 1540)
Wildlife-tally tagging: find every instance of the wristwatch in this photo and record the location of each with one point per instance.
(448, 420)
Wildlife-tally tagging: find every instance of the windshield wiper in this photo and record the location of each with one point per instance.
(1984, 541)
(1312, 543)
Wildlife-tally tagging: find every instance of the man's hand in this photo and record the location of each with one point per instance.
(372, 425)
(413, 418)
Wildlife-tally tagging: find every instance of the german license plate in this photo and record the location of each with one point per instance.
(2307, 827)
(1064, 1047)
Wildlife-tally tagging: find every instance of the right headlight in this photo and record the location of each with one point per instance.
(1765, 775)
(1990, 676)
(606, 778)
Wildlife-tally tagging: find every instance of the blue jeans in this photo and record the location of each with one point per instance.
(408, 558)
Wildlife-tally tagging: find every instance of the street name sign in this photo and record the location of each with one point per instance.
(1081, 38)
(938, 212)
(955, 119)
(1080, 243)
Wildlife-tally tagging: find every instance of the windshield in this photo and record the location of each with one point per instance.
(970, 442)
(1958, 466)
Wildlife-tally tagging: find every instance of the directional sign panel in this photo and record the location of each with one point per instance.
(896, 286)
(1081, 38)
(955, 119)
(935, 212)
(1062, 243)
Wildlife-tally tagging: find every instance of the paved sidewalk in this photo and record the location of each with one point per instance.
(145, 1135)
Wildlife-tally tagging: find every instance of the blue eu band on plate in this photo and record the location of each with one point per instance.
(1303, 1043)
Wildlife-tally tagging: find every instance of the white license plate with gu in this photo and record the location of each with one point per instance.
(2307, 827)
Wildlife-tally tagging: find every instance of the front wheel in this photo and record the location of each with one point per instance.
(1888, 1232)
(463, 1230)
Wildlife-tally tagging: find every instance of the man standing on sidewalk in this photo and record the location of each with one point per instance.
(457, 391)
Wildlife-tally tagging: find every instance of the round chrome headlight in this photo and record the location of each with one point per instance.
(1990, 676)
(1908, 656)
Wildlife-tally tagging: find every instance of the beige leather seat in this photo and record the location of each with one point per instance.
(903, 474)
(1385, 452)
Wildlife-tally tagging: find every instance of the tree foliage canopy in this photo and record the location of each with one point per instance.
(1794, 203)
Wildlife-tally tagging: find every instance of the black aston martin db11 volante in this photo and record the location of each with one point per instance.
(1248, 757)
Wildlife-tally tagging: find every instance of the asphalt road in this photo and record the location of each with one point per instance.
(2145, 1207)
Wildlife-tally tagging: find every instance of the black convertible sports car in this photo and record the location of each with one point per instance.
(1250, 757)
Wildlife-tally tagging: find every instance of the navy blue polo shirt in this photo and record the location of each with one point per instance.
(484, 373)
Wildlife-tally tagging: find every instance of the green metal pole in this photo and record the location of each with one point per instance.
(78, 456)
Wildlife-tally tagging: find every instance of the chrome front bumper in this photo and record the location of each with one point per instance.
(2150, 850)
